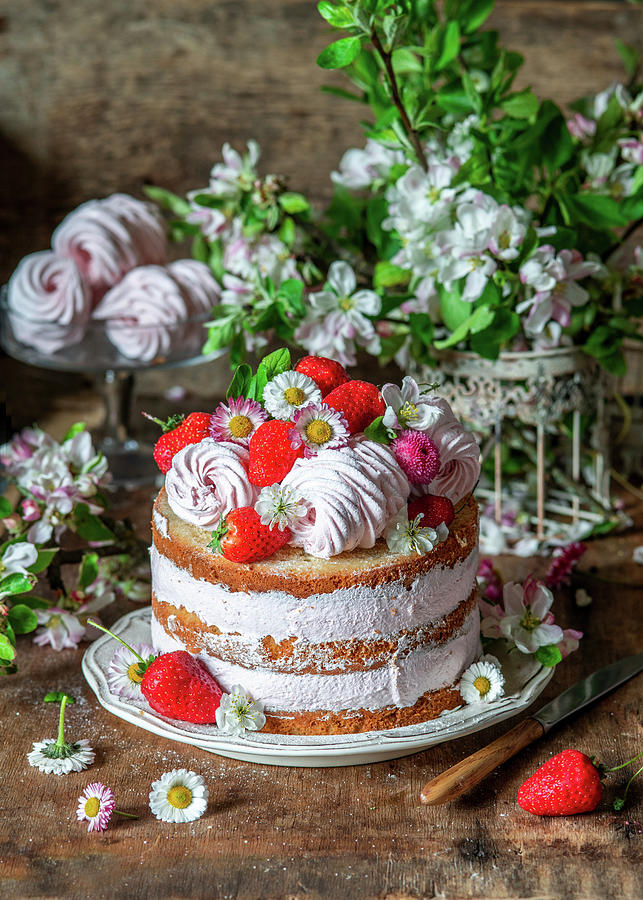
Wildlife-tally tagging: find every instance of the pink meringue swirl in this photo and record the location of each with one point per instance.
(460, 461)
(200, 288)
(207, 480)
(49, 302)
(145, 313)
(349, 493)
(107, 238)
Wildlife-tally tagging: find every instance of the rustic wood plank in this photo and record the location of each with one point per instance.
(351, 833)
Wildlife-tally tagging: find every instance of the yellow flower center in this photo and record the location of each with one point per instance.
(504, 241)
(482, 685)
(92, 806)
(346, 303)
(54, 621)
(408, 412)
(318, 431)
(529, 621)
(294, 395)
(433, 194)
(133, 673)
(179, 796)
(240, 426)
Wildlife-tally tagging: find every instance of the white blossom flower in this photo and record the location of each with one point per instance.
(507, 234)
(236, 172)
(526, 619)
(280, 505)
(319, 427)
(123, 675)
(483, 681)
(360, 168)
(96, 806)
(179, 796)
(288, 392)
(407, 407)
(553, 279)
(407, 537)
(238, 712)
(59, 627)
(17, 558)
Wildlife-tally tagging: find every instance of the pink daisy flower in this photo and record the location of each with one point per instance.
(96, 806)
(237, 420)
(318, 427)
(417, 455)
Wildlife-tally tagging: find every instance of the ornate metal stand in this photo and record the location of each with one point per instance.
(522, 398)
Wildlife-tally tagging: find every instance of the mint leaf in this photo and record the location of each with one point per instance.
(339, 54)
(279, 361)
(23, 620)
(549, 655)
(240, 382)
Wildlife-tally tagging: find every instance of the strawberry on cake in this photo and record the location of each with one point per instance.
(316, 543)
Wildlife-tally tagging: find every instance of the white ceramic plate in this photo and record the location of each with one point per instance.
(525, 680)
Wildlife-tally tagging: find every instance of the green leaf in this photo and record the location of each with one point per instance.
(389, 275)
(549, 655)
(340, 92)
(630, 56)
(5, 508)
(88, 571)
(377, 431)
(34, 602)
(521, 105)
(89, 527)
(277, 362)
(632, 207)
(287, 231)
(480, 319)
(449, 46)
(337, 16)
(454, 310)
(58, 697)
(200, 249)
(291, 202)
(75, 429)
(167, 200)
(472, 13)
(240, 382)
(43, 561)
(16, 583)
(23, 620)
(209, 201)
(596, 210)
(7, 649)
(339, 54)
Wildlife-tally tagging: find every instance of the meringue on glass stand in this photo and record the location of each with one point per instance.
(130, 339)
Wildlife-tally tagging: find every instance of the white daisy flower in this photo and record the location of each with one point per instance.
(238, 712)
(179, 796)
(54, 759)
(96, 806)
(123, 674)
(280, 505)
(483, 681)
(288, 392)
(407, 537)
(319, 427)
(237, 420)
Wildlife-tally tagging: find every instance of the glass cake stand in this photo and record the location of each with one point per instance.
(99, 350)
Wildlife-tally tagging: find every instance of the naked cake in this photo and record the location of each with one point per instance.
(319, 548)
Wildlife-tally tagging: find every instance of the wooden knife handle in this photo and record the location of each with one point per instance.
(466, 774)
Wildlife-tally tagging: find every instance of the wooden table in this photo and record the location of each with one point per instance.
(352, 832)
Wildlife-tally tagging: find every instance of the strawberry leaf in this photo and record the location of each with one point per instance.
(217, 536)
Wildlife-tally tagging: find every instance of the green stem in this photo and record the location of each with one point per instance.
(126, 815)
(116, 638)
(61, 722)
(629, 762)
(621, 800)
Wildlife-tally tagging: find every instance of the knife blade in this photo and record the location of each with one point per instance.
(470, 771)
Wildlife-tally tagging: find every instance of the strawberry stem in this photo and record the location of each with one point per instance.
(145, 663)
(217, 536)
(168, 424)
(622, 765)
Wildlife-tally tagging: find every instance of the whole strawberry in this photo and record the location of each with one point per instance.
(242, 538)
(326, 373)
(179, 686)
(271, 455)
(360, 401)
(433, 509)
(178, 433)
(567, 784)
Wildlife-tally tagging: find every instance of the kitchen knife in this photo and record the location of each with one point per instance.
(464, 775)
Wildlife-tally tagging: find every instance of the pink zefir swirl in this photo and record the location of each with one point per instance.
(350, 493)
(200, 288)
(107, 238)
(145, 313)
(49, 302)
(207, 480)
(459, 460)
